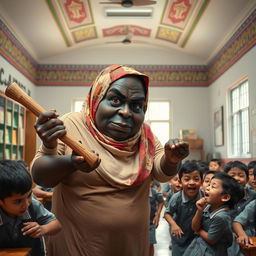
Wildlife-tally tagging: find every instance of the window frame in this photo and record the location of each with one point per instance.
(230, 149)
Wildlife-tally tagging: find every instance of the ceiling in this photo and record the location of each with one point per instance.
(49, 28)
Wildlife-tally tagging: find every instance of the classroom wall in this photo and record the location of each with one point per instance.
(218, 96)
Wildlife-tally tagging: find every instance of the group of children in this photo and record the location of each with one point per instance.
(211, 210)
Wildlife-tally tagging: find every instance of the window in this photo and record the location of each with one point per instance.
(77, 105)
(158, 117)
(239, 97)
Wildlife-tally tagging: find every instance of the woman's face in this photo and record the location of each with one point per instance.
(120, 114)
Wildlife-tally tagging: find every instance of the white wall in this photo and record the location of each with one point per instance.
(8, 74)
(218, 96)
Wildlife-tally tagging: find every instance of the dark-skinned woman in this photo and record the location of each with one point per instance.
(105, 211)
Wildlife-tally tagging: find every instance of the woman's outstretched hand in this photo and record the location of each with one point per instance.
(176, 150)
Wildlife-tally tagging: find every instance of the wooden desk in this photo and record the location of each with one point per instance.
(15, 252)
(251, 250)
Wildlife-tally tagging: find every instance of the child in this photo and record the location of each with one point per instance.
(215, 165)
(207, 179)
(156, 205)
(23, 220)
(175, 186)
(45, 194)
(252, 175)
(244, 224)
(212, 222)
(182, 207)
(239, 171)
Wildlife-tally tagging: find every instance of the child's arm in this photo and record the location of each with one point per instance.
(176, 230)
(242, 238)
(196, 221)
(41, 193)
(35, 230)
(204, 235)
(158, 213)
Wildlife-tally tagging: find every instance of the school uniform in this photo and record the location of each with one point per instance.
(10, 228)
(247, 218)
(249, 195)
(155, 199)
(219, 228)
(182, 210)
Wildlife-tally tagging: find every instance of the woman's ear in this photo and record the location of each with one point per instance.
(225, 197)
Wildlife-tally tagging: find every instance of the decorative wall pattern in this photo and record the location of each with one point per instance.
(241, 42)
(12, 50)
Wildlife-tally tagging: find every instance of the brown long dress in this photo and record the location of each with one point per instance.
(99, 216)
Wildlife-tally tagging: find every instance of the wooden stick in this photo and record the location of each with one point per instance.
(16, 93)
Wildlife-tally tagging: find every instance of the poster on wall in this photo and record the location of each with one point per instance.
(218, 127)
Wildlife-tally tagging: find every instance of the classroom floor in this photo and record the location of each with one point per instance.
(163, 238)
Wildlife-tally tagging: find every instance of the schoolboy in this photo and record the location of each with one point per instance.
(252, 175)
(215, 165)
(156, 205)
(182, 207)
(244, 224)
(212, 222)
(175, 186)
(239, 171)
(207, 176)
(23, 220)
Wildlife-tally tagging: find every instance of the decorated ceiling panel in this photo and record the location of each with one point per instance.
(74, 19)
(179, 20)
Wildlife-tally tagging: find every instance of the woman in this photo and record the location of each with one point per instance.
(105, 211)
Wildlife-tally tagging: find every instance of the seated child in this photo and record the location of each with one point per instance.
(23, 220)
(156, 206)
(182, 207)
(207, 176)
(215, 165)
(45, 194)
(175, 186)
(239, 171)
(212, 222)
(244, 224)
(252, 175)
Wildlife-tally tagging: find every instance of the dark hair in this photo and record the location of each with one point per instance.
(252, 164)
(236, 164)
(189, 167)
(208, 172)
(231, 187)
(14, 178)
(216, 160)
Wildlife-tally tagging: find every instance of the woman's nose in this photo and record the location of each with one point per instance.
(125, 111)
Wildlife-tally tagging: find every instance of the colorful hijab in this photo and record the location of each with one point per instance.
(142, 143)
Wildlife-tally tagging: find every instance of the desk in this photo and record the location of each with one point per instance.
(251, 250)
(15, 252)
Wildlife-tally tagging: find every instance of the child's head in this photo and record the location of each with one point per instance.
(207, 179)
(191, 179)
(223, 189)
(237, 170)
(175, 184)
(15, 188)
(215, 165)
(252, 174)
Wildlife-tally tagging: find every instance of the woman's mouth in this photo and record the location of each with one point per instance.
(122, 127)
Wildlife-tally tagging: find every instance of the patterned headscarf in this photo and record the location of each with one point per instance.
(142, 143)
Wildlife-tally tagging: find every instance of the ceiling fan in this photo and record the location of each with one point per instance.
(130, 3)
(127, 40)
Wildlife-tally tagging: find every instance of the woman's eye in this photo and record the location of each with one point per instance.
(115, 101)
(137, 107)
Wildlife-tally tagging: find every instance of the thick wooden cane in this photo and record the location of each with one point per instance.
(16, 93)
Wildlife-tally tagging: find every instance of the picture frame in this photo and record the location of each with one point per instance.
(218, 127)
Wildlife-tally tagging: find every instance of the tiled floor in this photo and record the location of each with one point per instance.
(163, 238)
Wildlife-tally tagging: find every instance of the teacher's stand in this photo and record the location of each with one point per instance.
(251, 249)
(15, 252)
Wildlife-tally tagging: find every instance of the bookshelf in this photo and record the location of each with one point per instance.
(12, 129)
